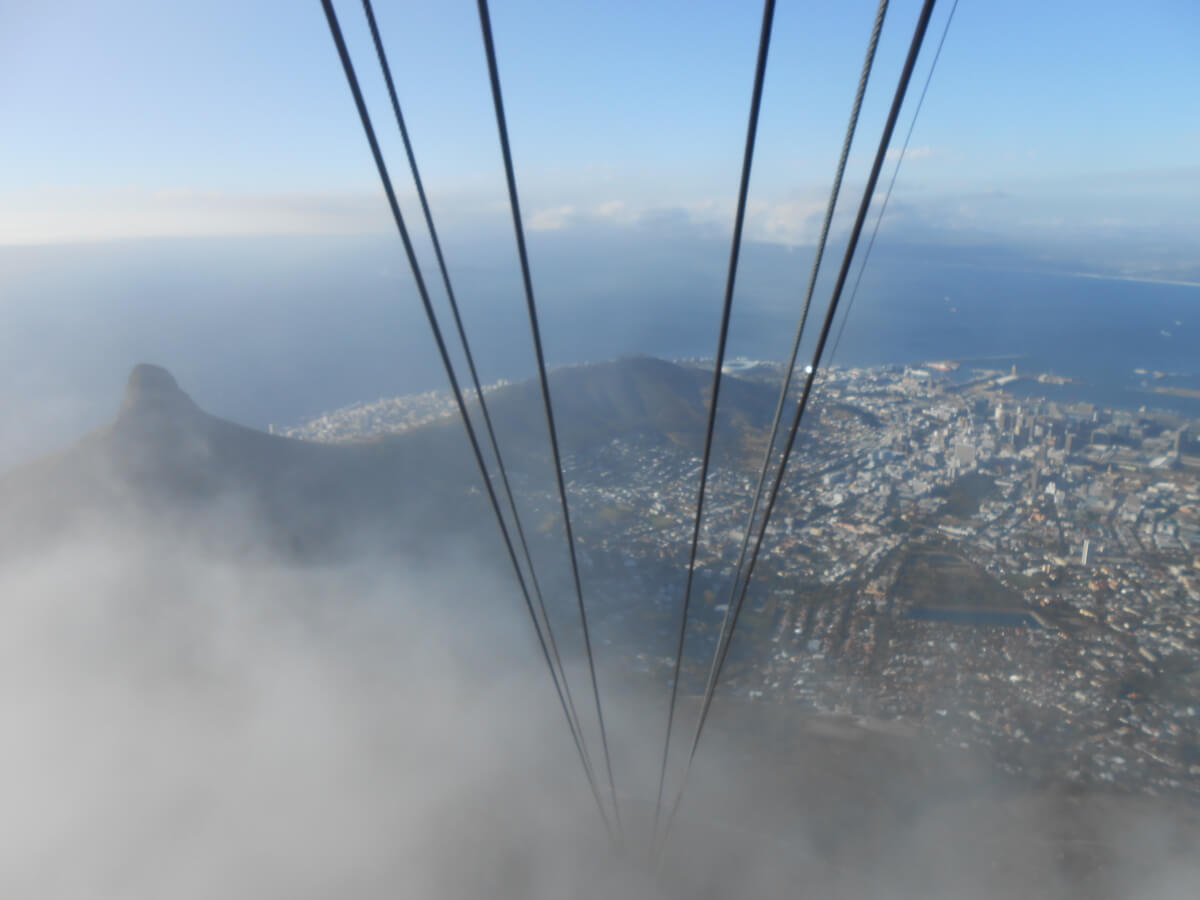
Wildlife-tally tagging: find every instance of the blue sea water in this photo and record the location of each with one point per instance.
(276, 330)
(1098, 332)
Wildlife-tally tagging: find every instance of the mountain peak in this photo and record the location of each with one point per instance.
(152, 389)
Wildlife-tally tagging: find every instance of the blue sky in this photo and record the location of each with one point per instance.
(148, 118)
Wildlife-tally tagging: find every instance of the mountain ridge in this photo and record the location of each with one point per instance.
(165, 460)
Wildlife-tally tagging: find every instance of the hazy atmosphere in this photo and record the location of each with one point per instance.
(913, 615)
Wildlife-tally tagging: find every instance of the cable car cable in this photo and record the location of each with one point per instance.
(483, 408)
(764, 42)
(364, 116)
(891, 184)
(826, 326)
(485, 25)
(852, 126)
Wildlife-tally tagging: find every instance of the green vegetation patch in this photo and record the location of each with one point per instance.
(965, 495)
(934, 577)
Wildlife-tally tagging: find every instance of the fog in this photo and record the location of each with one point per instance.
(198, 706)
(180, 724)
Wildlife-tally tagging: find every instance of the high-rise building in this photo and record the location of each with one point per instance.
(1086, 556)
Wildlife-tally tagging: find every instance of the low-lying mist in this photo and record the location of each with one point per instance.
(180, 724)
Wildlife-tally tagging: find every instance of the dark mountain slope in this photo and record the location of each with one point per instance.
(166, 464)
(635, 398)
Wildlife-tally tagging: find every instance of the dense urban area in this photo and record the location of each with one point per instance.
(952, 554)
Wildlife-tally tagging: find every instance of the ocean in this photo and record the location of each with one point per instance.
(269, 331)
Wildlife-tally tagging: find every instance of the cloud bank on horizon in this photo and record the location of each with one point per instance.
(162, 138)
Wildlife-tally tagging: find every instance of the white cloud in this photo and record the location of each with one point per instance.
(552, 219)
(612, 209)
(626, 213)
(793, 222)
(61, 213)
(913, 154)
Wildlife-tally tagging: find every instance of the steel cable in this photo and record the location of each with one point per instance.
(483, 408)
(887, 196)
(764, 43)
(864, 77)
(485, 24)
(848, 258)
(385, 178)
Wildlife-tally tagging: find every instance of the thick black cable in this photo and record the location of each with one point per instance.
(881, 152)
(786, 385)
(352, 79)
(837, 342)
(485, 24)
(577, 729)
(764, 42)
